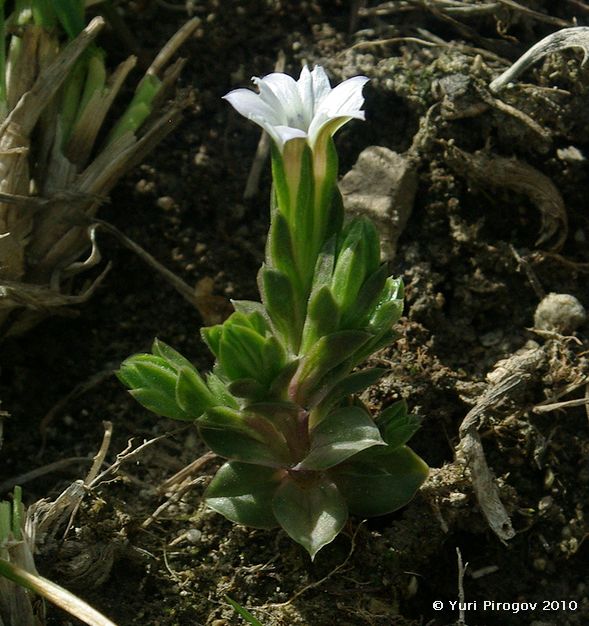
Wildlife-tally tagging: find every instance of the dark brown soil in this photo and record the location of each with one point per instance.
(467, 255)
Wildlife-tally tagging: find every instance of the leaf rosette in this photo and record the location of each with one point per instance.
(302, 452)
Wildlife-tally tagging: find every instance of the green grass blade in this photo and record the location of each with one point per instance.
(139, 108)
(247, 616)
(61, 597)
(71, 15)
(43, 13)
(5, 521)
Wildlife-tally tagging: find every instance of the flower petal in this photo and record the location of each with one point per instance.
(286, 133)
(251, 105)
(285, 89)
(307, 95)
(338, 107)
(321, 86)
(345, 100)
(269, 97)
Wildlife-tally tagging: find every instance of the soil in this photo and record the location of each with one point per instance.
(475, 263)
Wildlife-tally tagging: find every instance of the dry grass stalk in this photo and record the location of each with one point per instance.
(53, 179)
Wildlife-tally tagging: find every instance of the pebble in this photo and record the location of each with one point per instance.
(166, 203)
(560, 312)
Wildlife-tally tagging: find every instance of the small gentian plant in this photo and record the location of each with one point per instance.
(303, 452)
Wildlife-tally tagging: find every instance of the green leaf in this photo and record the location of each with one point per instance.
(160, 402)
(327, 353)
(323, 315)
(280, 385)
(283, 308)
(304, 223)
(356, 383)
(396, 425)
(358, 257)
(335, 208)
(163, 350)
(285, 417)
(211, 335)
(247, 616)
(380, 481)
(340, 435)
(273, 358)
(280, 246)
(255, 321)
(244, 436)
(325, 264)
(240, 353)
(220, 392)
(152, 382)
(359, 311)
(280, 190)
(348, 275)
(243, 493)
(389, 307)
(192, 394)
(311, 511)
(329, 205)
(249, 306)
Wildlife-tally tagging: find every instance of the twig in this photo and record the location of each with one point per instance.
(361, 45)
(576, 384)
(577, 37)
(173, 499)
(547, 408)
(482, 479)
(96, 465)
(579, 4)
(461, 596)
(185, 472)
(541, 17)
(171, 47)
(531, 275)
(101, 454)
(508, 109)
(128, 454)
(542, 255)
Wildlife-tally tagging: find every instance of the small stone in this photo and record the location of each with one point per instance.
(193, 535)
(571, 154)
(144, 186)
(540, 564)
(545, 503)
(381, 186)
(166, 203)
(561, 313)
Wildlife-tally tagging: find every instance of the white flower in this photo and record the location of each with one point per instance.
(306, 108)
